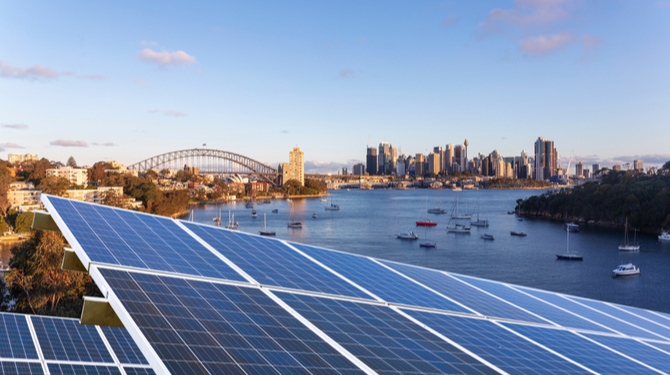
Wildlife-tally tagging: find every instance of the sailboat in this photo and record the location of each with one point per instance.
(331, 206)
(232, 224)
(217, 219)
(426, 223)
(253, 214)
(427, 243)
(265, 231)
(479, 223)
(460, 217)
(629, 246)
(293, 223)
(568, 255)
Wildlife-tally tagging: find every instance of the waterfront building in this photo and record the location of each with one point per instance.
(359, 169)
(371, 161)
(419, 170)
(546, 160)
(394, 157)
(579, 169)
(638, 165)
(283, 173)
(448, 158)
(460, 161)
(17, 158)
(433, 163)
(596, 168)
(344, 171)
(384, 164)
(296, 165)
(400, 167)
(76, 176)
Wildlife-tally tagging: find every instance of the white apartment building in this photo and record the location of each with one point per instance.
(296, 165)
(93, 195)
(76, 176)
(24, 200)
(16, 157)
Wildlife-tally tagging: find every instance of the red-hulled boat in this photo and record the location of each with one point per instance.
(425, 224)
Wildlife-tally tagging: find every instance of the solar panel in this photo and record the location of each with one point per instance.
(497, 345)
(270, 262)
(69, 369)
(138, 371)
(199, 326)
(382, 282)
(587, 353)
(657, 317)
(20, 368)
(128, 238)
(15, 338)
(637, 350)
(124, 346)
(67, 340)
(480, 302)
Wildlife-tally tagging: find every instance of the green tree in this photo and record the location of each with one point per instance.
(5, 179)
(24, 222)
(97, 172)
(54, 185)
(37, 282)
(316, 185)
(71, 162)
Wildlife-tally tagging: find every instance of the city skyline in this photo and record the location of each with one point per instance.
(98, 82)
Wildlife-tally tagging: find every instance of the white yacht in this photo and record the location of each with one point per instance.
(332, 207)
(665, 236)
(627, 246)
(479, 223)
(407, 236)
(232, 224)
(458, 228)
(626, 270)
(436, 210)
(456, 216)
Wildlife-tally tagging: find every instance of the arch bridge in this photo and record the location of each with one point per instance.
(208, 161)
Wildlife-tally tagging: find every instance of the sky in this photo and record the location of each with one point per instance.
(130, 80)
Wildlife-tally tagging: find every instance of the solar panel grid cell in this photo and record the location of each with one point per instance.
(637, 350)
(199, 326)
(124, 346)
(20, 368)
(659, 318)
(138, 371)
(271, 262)
(67, 340)
(380, 281)
(69, 369)
(497, 345)
(582, 351)
(383, 339)
(15, 339)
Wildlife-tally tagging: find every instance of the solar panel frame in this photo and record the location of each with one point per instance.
(652, 355)
(21, 368)
(81, 369)
(124, 347)
(16, 341)
(67, 340)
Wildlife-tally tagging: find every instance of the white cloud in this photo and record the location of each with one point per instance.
(167, 58)
(68, 143)
(527, 14)
(36, 72)
(169, 112)
(346, 73)
(15, 126)
(542, 45)
(323, 167)
(10, 145)
(107, 144)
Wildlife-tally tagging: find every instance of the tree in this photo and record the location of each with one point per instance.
(38, 170)
(24, 222)
(71, 162)
(97, 172)
(37, 282)
(666, 166)
(5, 180)
(54, 185)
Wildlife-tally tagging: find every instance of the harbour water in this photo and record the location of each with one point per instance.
(368, 221)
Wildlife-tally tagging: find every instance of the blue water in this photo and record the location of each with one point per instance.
(367, 221)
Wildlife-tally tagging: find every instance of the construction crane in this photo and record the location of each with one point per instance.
(567, 171)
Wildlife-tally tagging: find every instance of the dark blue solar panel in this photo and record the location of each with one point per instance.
(479, 301)
(531, 304)
(580, 350)
(124, 346)
(590, 314)
(271, 262)
(138, 371)
(497, 345)
(635, 349)
(660, 332)
(384, 340)
(199, 327)
(15, 338)
(67, 340)
(21, 368)
(128, 238)
(383, 282)
(658, 317)
(67, 369)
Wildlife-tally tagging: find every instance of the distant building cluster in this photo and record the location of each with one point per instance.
(16, 158)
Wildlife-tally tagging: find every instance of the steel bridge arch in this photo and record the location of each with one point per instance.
(196, 155)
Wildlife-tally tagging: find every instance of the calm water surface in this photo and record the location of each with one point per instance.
(368, 220)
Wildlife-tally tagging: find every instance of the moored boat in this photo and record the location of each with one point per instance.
(520, 234)
(488, 237)
(407, 236)
(567, 255)
(665, 236)
(626, 270)
(436, 210)
(571, 227)
(265, 231)
(626, 245)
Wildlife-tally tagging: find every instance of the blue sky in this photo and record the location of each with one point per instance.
(127, 81)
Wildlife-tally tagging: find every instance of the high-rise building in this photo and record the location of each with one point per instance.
(448, 158)
(440, 155)
(384, 163)
(344, 171)
(433, 163)
(460, 158)
(579, 169)
(394, 160)
(400, 167)
(296, 166)
(419, 170)
(596, 168)
(616, 167)
(371, 161)
(359, 169)
(282, 169)
(638, 165)
(586, 173)
(546, 160)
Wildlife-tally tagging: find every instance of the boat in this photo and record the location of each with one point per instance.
(323, 199)
(426, 223)
(460, 217)
(519, 218)
(436, 210)
(626, 270)
(488, 237)
(427, 243)
(626, 245)
(332, 207)
(253, 214)
(479, 223)
(275, 211)
(567, 255)
(571, 227)
(217, 219)
(347, 189)
(293, 223)
(407, 236)
(232, 224)
(458, 228)
(456, 188)
(313, 216)
(265, 231)
(520, 234)
(249, 205)
(665, 236)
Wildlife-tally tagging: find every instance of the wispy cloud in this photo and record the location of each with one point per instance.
(15, 126)
(92, 76)
(284, 131)
(148, 43)
(68, 143)
(165, 58)
(450, 20)
(542, 45)
(590, 42)
(106, 144)
(323, 167)
(10, 145)
(139, 81)
(37, 72)
(169, 112)
(649, 160)
(346, 73)
(527, 14)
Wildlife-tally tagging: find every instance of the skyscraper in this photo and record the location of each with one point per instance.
(418, 166)
(371, 161)
(637, 165)
(433, 163)
(440, 155)
(448, 158)
(596, 168)
(359, 169)
(579, 169)
(384, 158)
(460, 158)
(546, 161)
(296, 166)
(394, 160)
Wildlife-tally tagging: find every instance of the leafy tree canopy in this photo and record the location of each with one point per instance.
(71, 162)
(54, 185)
(24, 222)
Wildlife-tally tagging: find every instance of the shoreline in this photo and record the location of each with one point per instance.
(245, 199)
(581, 221)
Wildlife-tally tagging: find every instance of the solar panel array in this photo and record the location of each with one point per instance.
(198, 299)
(31, 345)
